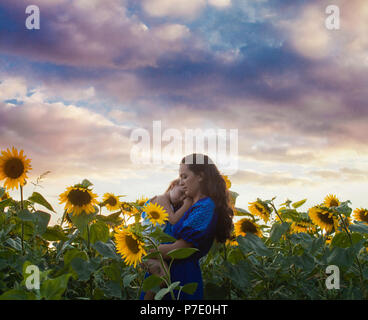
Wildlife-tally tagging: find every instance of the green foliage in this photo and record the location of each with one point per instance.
(182, 253)
(80, 261)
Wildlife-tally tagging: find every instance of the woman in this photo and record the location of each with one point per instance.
(209, 218)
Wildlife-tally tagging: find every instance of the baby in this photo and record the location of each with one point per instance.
(176, 204)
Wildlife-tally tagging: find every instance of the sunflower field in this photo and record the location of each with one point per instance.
(100, 248)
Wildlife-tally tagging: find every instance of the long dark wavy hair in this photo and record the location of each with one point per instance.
(214, 186)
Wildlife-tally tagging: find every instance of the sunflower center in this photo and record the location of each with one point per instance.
(261, 209)
(248, 226)
(324, 217)
(334, 203)
(79, 197)
(132, 244)
(155, 215)
(112, 201)
(363, 215)
(14, 168)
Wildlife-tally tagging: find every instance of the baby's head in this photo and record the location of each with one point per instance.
(176, 192)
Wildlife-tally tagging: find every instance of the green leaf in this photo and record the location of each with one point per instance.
(113, 271)
(41, 220)
(299, 203)
(112, 219)
(233, 196)
(151, 282)
(238, 274)
(81, 220)
(18, 294)
(106, 249)
(344, 257)
(53, 289)
(182, 253)
(342, 240)
(359, 227)
(99, 231)
(113, 289)
(253, 243)
(83, 268)
(54, 233)
(6, 203)
(127, 280)
(152, 255)
(344, 208)
(25, 215)
(15, 243)
(277, 230)
(38, 198)
(290, 214)
(86, 183)
(161, 236)
(242, 212)
(73, 253)
(190, 288)
(159, 295)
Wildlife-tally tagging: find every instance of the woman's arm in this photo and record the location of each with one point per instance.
(165, 248)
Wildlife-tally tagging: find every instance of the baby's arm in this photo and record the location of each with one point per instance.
(187, 203)
(174, 217)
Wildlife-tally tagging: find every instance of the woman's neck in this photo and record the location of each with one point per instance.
(198, 197)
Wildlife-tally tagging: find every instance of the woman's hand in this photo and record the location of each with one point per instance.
(154, 267)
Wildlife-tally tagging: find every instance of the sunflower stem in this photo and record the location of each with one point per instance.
(167, 272)
(88, 242)
(274, 208)
(22, 207)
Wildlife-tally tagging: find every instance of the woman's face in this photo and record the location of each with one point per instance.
(190, 181)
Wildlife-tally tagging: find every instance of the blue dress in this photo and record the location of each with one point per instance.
(198, 227)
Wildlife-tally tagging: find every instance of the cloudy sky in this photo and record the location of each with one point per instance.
(72, 92)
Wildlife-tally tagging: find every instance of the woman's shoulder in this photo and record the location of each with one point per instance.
(205, 202)
(200, 214)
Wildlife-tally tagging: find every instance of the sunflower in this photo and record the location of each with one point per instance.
(141, 201)
(245, 225)
(14, 168)
(129, 209)
(232, 241)
(129, 245)
(156, 213)
(331, 201)
(259, 209)
(323, 218)
(111, 201)
(227, 181)
(361, 215)
(302, 226)
(78, 199)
